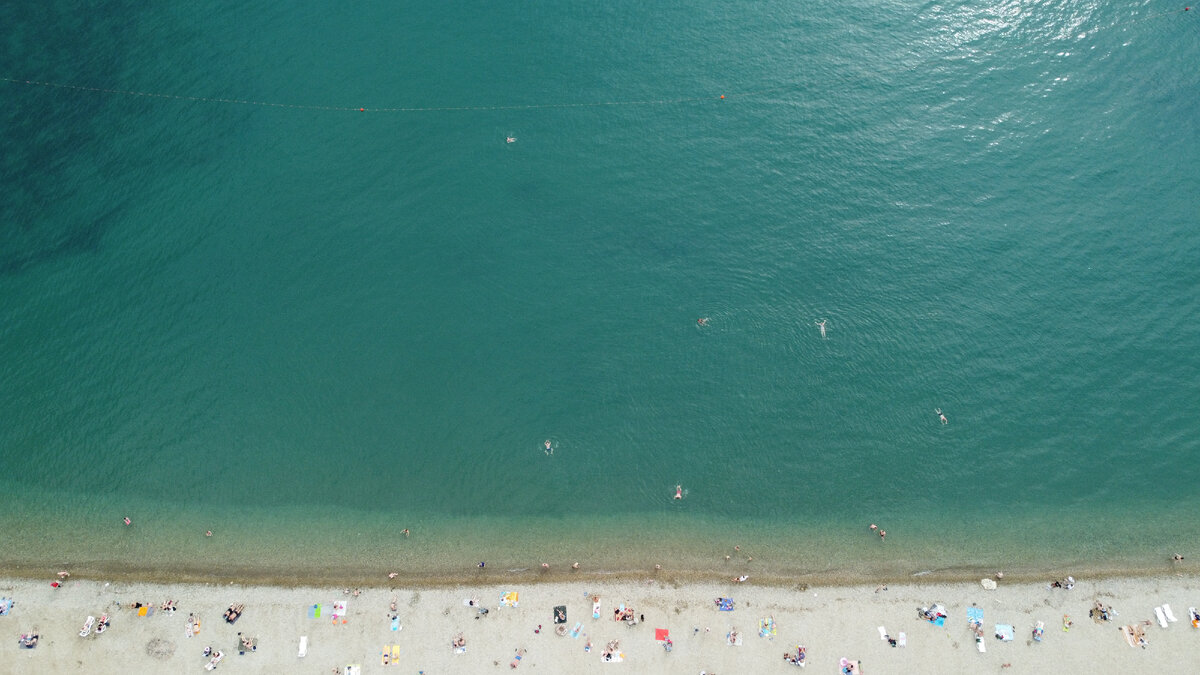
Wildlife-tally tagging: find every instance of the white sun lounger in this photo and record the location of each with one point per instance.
(303, 646)
(1162, 618)
(1167, 611)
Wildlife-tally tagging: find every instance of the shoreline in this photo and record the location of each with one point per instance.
(562, 573)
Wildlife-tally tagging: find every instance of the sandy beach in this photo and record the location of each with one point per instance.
(832, 622)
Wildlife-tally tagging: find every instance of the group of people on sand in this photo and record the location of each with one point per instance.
(234, 613)
(796, 659)
(1099, 612)
(624, 615)
(1067, 583)
(248, 643)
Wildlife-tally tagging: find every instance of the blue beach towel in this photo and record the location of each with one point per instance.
(396, 622)
(941, 621)
(6, 605)
(975, 614)
(314, 611)
(575, 631)
(725, 604)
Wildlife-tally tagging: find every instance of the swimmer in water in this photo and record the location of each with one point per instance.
(510, 139)
(821, 325)
(941, 416)
(703, 321)
(549, 449)
(678, 492)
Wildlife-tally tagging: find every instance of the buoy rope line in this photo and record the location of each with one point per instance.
(410, 109)
(462, 108)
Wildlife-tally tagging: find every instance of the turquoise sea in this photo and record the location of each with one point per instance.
(243, 304)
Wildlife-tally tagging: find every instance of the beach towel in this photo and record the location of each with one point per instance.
(596, 608)
(396, 623)
(303, 646)
(1005, 632)
(725, 604)
(1167, 611)
(1127, 631)
(661, 634)
(339, 612)
(509, 599)
(560, 614)
(314, 611)
(212, 664)
(396, 654)
(1194, 616)
(733, 639)
(903, 641)
(1039, 630)
(353, 670)
(975, 615)
(883, 633)
(576, 630)
(143, 611)
(385, 656)
(766, 628)
(1162, 618)
(5, 606)
(615, 657)
(979, 644)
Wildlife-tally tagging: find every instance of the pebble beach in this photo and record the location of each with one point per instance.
(831, 622)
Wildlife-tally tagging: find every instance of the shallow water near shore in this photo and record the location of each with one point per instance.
(308, 329)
